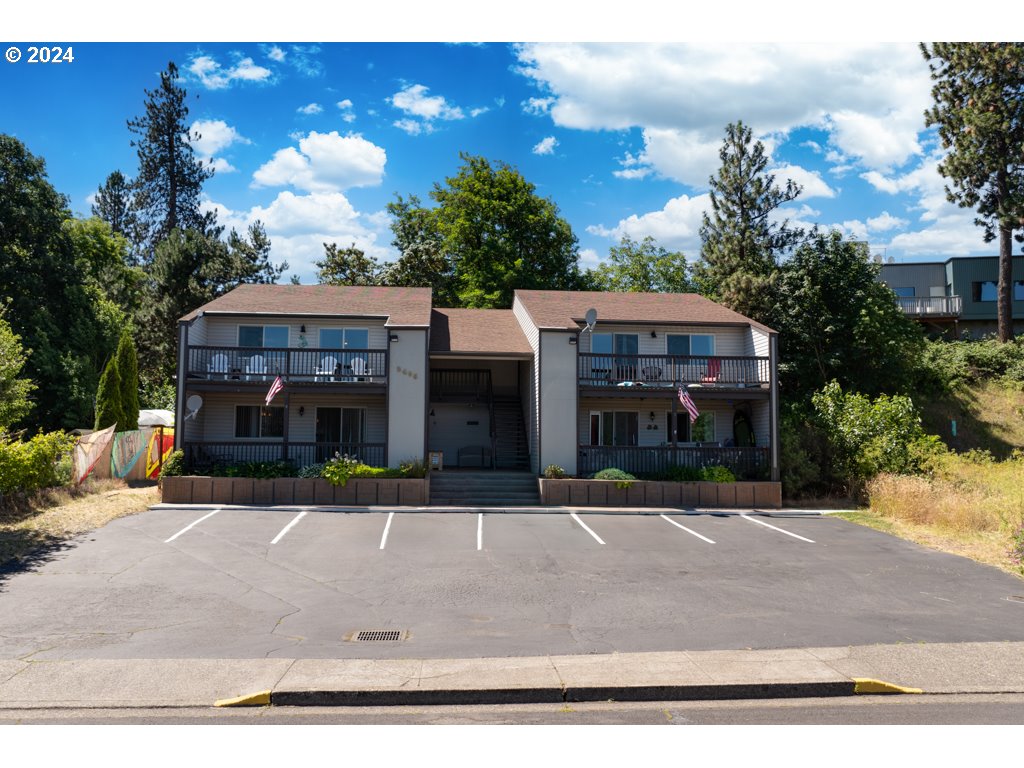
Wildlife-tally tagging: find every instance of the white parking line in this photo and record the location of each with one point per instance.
(191, 525)
(480, 531)
(577, 519)
(677, 525)
(766, 525)
(384, 538)
(288, 527)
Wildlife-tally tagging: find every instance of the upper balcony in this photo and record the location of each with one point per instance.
(341, 368)
(930, 307)
(669, 372)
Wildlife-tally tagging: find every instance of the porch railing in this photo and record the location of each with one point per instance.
(746, 463)
(941, 306)
(672, 370)
(460, 386)
(204, 456)
(292, 365)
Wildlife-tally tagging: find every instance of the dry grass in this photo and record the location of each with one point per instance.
(44, 521)
(970, 506)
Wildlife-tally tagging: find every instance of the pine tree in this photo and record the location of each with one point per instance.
(128, 373)
(740, 242)
(108, 398)
(170, 179)
(115, 204)
(979, 110)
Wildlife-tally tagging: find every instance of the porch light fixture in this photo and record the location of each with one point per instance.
(654, 334)
(573, 340)
(302, 410)
(302, 328)
(652, 416)
(392, 337)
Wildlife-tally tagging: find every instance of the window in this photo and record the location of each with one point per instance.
(259, 421)
(614, 427)
(697, 344)
(905, 293)
(344, 338)
(263, 335)
(984, 291)
(1018, 290)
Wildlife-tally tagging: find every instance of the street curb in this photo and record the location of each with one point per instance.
(870, 685)
(260, 699)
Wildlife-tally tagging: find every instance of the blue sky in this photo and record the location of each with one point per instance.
(314, 139)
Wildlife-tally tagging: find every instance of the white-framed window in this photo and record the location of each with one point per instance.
(690, 344)
(905, 292)
(344, 338)
(614, 427)
(263, 336)
(259, 421)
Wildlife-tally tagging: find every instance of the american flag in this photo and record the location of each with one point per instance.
(689, 405)
(276, 387)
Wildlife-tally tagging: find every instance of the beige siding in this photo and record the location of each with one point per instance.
(458, 425)
(759, 343)
(760, 417)
(533, 422)
(729, 341)
(408, 380)
(558, 396)
(223, 331)
(197, 334)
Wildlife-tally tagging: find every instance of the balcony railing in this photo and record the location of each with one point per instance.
(672, 370)
(292, 365)
(203, 456)
(745, 463)
(930, 306)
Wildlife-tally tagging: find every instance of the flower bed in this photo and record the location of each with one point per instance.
(192, 489)
(650, 493)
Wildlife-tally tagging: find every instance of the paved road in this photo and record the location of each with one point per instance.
(872, 710)
(269, 583)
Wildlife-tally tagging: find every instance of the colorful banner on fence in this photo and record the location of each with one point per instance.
(88, 451)
(161, 445)
(128, 447)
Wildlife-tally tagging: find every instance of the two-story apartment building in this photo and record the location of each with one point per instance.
(955, 296)
(379, 373)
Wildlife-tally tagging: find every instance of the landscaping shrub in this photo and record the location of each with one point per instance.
(682, 474)
(174, 465)
(412, 468)
(717, 474)
(950, 365)
(32, 464)
(261, 470)
(312, 471)
(613, 474)
(338, 470)
(553, 472)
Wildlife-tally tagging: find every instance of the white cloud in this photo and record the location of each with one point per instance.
(413, 100)
(869, 97)
(886, 221)
(216, 77)
(854, 229)
(589, 258)
(208, 137)
(811, 181)
(324, 162)
(410, 126)
(676, 226)
(545, 146)
(275, 53)
(310, 109)
(220, 165)
(477, 111)
(347, 113)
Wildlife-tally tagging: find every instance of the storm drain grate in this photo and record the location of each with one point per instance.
(378, 636)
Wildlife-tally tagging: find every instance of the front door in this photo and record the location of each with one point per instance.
(328, 433)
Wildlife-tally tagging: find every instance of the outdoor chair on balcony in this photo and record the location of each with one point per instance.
(359, 368)
(218, 367)
(256, 368)
(328, 367)
(714, 371)
(651, 373)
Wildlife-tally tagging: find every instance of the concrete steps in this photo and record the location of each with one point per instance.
(484, 488)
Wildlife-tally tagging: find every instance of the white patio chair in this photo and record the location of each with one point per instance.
(359, 367)
(218, 365)
(328, 366)
(256, 368)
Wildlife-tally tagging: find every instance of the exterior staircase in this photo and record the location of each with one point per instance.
(483, 488)
(511, 450)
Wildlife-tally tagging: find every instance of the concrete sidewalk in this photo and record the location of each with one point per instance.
(684, 675)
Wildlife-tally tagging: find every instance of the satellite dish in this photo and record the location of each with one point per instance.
(194, 403)
(591, 318)
(891, 260)
(878, 258)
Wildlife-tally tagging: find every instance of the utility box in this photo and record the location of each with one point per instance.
(435, 460)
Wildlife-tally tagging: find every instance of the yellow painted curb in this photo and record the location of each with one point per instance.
(260, 699)
(869, 685)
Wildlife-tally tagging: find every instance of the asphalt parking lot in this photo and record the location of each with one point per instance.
(300, 583)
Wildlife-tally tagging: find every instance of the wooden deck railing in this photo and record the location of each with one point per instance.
(203, 456)
(672, 370)
(644, 460)
(309, 365)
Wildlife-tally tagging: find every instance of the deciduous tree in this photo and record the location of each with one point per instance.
(15, 391)
(642, 266)
(979, 110)
(347, 266)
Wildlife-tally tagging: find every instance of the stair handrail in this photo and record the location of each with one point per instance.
(490, 414)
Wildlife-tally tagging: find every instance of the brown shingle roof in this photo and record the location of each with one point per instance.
(401, 306)
(477, 331)
(566, 309)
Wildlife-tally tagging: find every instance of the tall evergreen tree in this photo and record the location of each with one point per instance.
(128, 372)
(741, 242)
(170, 178)
(109, 409)
(251, 256)
(115, 204)
(979, 110)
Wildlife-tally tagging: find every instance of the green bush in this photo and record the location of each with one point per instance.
(950, 365)
(338, 470)
(312, 471)
(174, 465)
(717, 474)
(261, 470)
(553, 472)
(682, 474)
(33, 464)
(365, 470)
(413, 468)
(613, 474)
